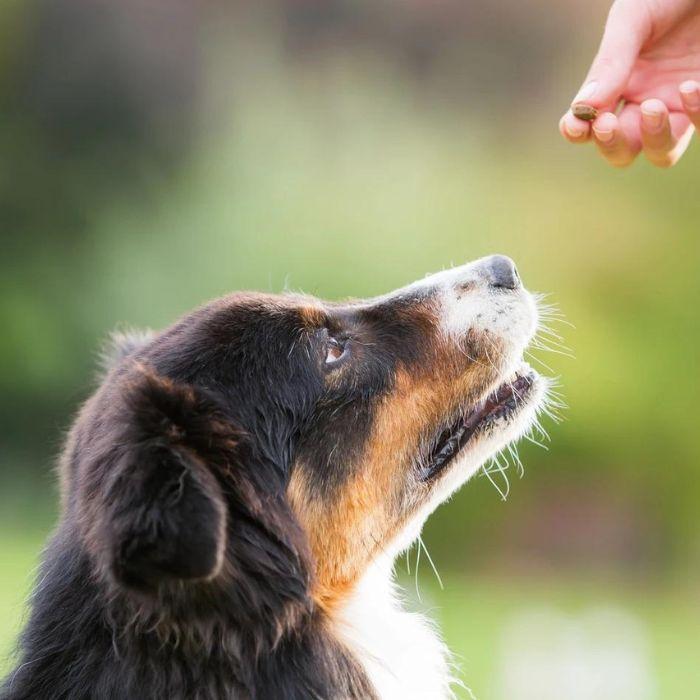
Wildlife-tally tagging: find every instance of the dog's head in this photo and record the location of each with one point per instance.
(262, 424)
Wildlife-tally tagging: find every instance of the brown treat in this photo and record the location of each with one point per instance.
(585, 112)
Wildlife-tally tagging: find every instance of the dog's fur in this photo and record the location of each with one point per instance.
(235, 492)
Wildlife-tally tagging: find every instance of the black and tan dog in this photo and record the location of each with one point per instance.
(235, 493)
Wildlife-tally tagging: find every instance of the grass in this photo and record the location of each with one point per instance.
(473, 613)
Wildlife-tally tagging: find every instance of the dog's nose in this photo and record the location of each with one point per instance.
(501, 272)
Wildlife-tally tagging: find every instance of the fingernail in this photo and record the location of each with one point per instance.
(691, 94)
(574, 130)
(604, 136)
(587, 91)
(653, 120)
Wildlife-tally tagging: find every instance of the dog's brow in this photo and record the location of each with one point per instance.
(313, 316)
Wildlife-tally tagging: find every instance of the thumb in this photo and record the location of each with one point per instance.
(626, 30)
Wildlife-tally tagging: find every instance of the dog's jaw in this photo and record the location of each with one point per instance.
(402, 652)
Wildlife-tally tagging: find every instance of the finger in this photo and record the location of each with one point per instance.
(630, 121)
(573, 129)
(690, 97)
(626, 30)
(664, 136)
(611, 141)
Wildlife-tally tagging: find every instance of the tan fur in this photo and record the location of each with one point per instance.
(377, 501)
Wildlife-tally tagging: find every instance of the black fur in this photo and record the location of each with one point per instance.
(178, 569)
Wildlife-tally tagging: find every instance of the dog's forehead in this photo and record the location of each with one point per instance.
(408, 304)
(245, 318)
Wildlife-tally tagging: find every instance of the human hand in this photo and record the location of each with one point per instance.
(648, 62)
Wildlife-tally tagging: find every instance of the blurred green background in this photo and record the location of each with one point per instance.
(156, 154)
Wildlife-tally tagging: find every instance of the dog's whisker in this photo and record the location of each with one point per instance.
(540, 361)
(416, 575)
(430, 560)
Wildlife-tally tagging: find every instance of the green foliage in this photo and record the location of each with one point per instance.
(357, 200)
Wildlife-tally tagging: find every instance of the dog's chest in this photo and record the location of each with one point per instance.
(400, 651)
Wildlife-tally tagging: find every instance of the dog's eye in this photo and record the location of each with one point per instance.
(335, 350)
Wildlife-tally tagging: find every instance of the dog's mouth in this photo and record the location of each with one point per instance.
(500, 406)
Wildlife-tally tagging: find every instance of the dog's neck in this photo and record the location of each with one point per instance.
(401, 651)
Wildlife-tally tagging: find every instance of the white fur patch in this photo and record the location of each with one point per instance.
(401, 651)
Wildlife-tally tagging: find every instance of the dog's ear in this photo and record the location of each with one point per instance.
(120, 345)
(164, 514)
(169, 520)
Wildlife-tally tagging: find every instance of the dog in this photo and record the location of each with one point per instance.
(236, 491)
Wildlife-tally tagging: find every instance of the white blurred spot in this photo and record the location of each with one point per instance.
(601, 654)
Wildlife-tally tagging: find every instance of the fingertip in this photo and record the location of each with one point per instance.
(611, 141)
(587, 92)
(600, 94)
(605, 128)
(689, 87)
(654, 116)
(690, 97)
(562, 127)
(573, 129)
(665, 136)
(654, 106)
(630, 123)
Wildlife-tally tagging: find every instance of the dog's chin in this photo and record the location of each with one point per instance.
(475, 435)
(484, 421)
(499, 419)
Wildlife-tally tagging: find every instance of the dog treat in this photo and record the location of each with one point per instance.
(585, 112)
